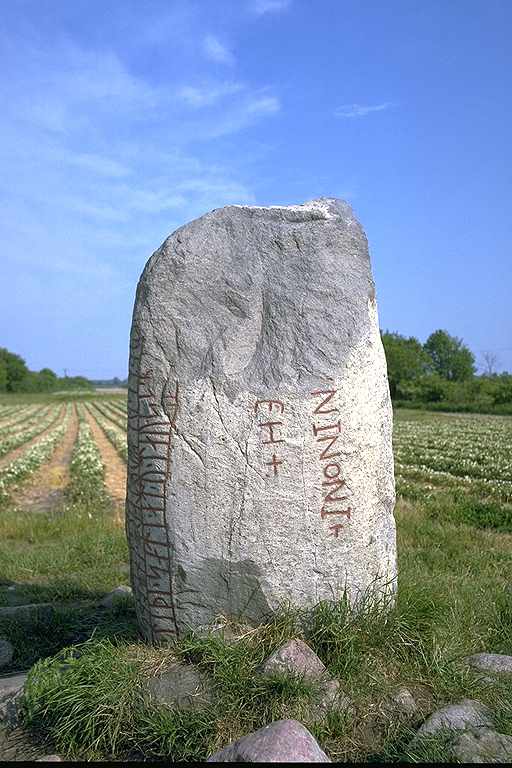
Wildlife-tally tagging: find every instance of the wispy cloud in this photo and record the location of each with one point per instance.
(97, 164)
(360, 110)
(242, 114)
(217, 51)
(207, 95)
(261, 7)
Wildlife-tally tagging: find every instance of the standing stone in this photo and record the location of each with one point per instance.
(260, 467)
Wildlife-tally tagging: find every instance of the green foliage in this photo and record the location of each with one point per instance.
(15, 370)
(16, 377)
(440, 375)
(450, 358)
(406, 360)
(461, 507)
(3, 375)
(89, 700)
(68, 383)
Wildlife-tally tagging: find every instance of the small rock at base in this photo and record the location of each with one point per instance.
(456, 717)
(284, 741)
(330, 698)
(11, 691)
(119, 593)
(483, 746)
(181, 687)
(50, 759)
(295, 658)
(497, 663)
(403, 700)
(6, 652)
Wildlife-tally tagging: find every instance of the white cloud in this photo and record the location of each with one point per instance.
(207, 95)
(216, 51)
(97, 164)
(260, 7)
(360, 110)
(264, 105)
(241, 115)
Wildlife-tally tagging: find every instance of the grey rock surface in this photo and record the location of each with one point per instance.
(330, 697)
(50, 759)
(295, 658)
(117, 595)
(11, 691)
(28, 612)
(496, 663)
(6, 652)
(483, 746)
(181, 687)
(457, 717)
(260, 466)
(285, 741)
(403, 700)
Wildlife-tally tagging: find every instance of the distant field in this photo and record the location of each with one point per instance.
(460, 466)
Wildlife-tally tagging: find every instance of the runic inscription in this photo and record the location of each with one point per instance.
(271, 431)
(151, 421)
(327, 430)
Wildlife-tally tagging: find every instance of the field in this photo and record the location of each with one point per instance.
(62, 476)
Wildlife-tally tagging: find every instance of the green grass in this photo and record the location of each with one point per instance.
(64, 556)
(71, 555)
(452, 601)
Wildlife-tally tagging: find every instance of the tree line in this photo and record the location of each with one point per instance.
(441, 374)
(16, 377)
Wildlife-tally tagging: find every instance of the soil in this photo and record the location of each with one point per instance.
(45, 489)
(115, 469)
(19, 451)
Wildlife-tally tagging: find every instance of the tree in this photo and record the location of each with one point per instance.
(490, 363)
(47, 380)
(406, 360)
(449, 356)
(15, 370)
(3, 376)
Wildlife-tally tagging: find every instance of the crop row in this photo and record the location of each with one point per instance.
(471, 453)
(33, 428)
(111, 413)
(18, 416)
(87, 472)
(22, 420)
(8, 410)
(33, 457)
(115, 434)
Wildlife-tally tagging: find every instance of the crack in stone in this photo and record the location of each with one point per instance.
(189, 444)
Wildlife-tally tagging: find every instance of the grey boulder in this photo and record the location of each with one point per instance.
(117, 595)
(11, 692)
(6, 652)
(295, 658)
(457, 717)
(495, 663)
(284, 741)
(181, 687)
(483, 746)
(328, 698)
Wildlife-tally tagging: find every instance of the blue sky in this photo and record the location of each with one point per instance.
(121, 120)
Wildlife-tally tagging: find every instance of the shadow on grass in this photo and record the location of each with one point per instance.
(55, 627)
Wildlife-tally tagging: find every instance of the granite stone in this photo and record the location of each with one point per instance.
(260, 466)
